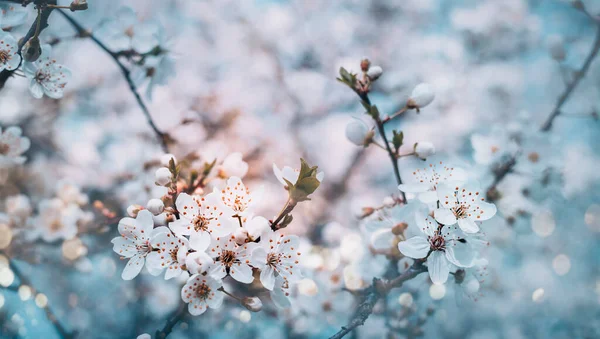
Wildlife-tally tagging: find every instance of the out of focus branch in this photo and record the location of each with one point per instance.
(379, 289)
(162, 137)
(576, 79)
(500, 173)
(23, 280)
(173, 319)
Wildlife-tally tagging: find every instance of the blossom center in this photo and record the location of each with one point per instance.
(4, 56)
(56, 225)
(144, 247)
(273, 259)
(460, 211)
(437, 243)
(227, 258)
(201, 223)
(173, 254)
(41, 76)
(203, 291)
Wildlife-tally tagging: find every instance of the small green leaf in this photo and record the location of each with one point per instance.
(286, 221)
(397, 140)
(374, 112)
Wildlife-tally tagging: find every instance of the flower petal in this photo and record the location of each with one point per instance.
(415, 247)
(438, 267)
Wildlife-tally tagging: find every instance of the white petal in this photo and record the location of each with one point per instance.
(428, 197)
(460, 254)
(415, 247)
(187, 206)
(241, 273)
(267, 277)
(414, 188)
(446, 195)
(200, 241)
(445, 216)
(468, 225)
(382, 239)
(124, 247)
(438, 267)
(36, 89)
(482, 211)
(133, 267)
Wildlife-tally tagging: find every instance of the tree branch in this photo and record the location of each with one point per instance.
(379, 289)
(51, 316)
(162, 137)
(173, 319)
(576, 79)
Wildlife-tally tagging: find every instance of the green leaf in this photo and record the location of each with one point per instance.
(306, 184)
(374, 112)
(208, 167)
(397, 140)
(366, 105)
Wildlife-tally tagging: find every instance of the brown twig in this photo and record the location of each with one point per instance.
(576, 79)
(379, 289)
(175, 317)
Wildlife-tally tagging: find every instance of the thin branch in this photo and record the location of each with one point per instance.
(162, 137)
(379, 289)
(175, 317)
(576, 79)
(500, 173)
(49, 313)
(391, 154)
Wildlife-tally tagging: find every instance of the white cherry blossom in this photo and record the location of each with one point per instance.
(46, 76)
(9, 56)
(201, 217)
(12, 146)
(277, 256)
(231, 258)
(233, 166)
(238, 198)
(441, 245)
(134, 242)
(424, 182)
(169, 252)
(201, 292)
(464, 204)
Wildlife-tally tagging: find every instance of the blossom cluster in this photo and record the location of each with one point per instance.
(208, 234)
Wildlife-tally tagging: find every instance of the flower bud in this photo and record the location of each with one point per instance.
(424, 149)
(165, 159)
(374, 73)
(253, 304)
(32, 50)
(365, 64)
(78, 5)
(421, 96)
(163, 176)
(155, 206)
(18, 206)
(240, 235)
(133, 210)
(358, 133)
(556, 47)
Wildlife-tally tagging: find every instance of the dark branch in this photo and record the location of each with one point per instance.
(379, 289)
(163, 137)
(23, 280)
(576, 79)
(173, 319)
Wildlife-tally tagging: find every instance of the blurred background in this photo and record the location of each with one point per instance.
(259, 77)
